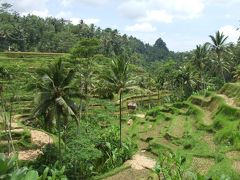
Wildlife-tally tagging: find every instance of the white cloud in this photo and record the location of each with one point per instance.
(28, 5)
(89, 21)
(66, 2)
(157, 16)
(161, 10)
(43, 14)
(85, 2)
(224, 2)
(132, 9)
(75, 21)
(141, 27)
(64, 14)
(230, 31)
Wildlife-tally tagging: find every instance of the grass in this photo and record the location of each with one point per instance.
(112, 172)
(198, 141)
(178, 127)
(232, 90)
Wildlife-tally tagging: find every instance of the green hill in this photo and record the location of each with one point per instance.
(204, 129)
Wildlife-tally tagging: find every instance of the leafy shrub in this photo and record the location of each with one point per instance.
(94, 151)
(154, 112)
(10, 170)
(228, 136)
(49, 157)
(169, 165)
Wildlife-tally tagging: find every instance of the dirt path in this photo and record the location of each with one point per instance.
(131, 174)
(207, 119)
(229, 101)
(236, 166)
(140, 162)
(177, 127)
(233, 155)
(142, 116)
(209, 139)
(202, 165)
(38, 138)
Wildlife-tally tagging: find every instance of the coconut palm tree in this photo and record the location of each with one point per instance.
(54, 97)
(185, 80)
(159, 82)
(219, 46)
(200, 56)
(118, 81)
(236, 75)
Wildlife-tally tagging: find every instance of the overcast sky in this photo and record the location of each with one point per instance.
(180, 23)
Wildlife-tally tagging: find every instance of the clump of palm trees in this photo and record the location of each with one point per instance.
(219, 47)
(55, 91)
(56, 88)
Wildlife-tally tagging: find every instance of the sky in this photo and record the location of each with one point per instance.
(182, 24)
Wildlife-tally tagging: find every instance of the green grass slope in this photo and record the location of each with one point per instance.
(204, 129)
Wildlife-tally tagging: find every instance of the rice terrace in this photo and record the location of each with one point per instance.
(81, 98)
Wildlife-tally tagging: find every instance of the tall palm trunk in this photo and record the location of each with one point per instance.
(10, 128)
(221, 67)
(222, 73)
(59, 136)
(120, 118)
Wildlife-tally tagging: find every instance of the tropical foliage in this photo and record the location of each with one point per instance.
(79, 93)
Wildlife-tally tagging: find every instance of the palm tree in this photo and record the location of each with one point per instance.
(54, 97)
(186, 80)
(219, 46)
(236, 75)
(200, 55)
(159, 82)
(118, 81)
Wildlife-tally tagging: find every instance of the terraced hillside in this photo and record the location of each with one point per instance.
(204, 129)
(22, 68)
(27, 141)
(17, 89)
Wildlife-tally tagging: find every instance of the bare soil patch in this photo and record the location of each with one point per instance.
(236, 166)
(202, 165)
(131, 174)
(233, 155)
(208, 138)
(140, 161)
(40, 138)
(228, 100)
(28, 155)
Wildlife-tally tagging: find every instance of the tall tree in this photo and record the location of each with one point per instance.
(84, 53)
(54, 97)
(200, 56)
(219, 46)
(118, 80)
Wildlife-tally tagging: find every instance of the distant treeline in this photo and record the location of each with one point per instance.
(36, 34)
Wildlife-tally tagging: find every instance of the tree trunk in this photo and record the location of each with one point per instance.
(80, 115)
(7, 132)
(10, 128)
(221, 68)
(224, 80)
(59, 137)
(120, 118)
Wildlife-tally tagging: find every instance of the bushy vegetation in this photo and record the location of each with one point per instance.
(9, 169)
(100, 97)
(92, 152)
